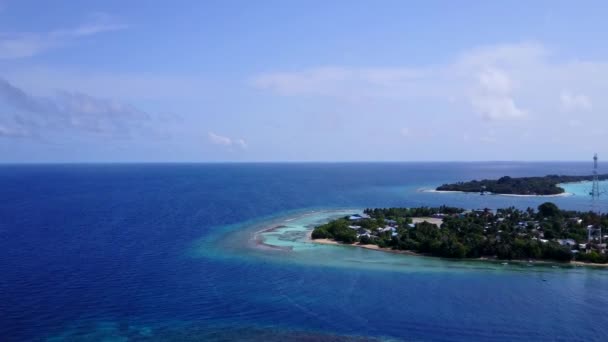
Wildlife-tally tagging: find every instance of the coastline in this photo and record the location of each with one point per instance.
(482, 259)
(370, 246)
(274, 225)
(564, 194)
(279, 223)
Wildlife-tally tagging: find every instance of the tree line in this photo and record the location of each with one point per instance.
(507, 234)
(547, 185)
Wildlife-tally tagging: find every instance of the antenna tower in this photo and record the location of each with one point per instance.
(595, 188)
(595, 195)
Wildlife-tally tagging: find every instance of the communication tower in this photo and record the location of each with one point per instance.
(595, 188)
(595, 195)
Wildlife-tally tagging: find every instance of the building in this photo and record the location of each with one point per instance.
(386, 229)
(358, 217)
(566, 242)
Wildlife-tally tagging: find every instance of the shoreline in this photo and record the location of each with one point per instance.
(564, 194)
(370, 247)
(279, 223)
(482, 259)
(271, 226)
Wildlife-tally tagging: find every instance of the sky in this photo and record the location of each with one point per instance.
(241, 81)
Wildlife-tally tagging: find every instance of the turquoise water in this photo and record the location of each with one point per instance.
(287, 238)
(169, 253)
(582, 189)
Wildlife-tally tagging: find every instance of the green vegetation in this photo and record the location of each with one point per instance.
(547, 233)
(546, 185)
(337, 230)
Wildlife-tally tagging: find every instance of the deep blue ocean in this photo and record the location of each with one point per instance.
(113, 252)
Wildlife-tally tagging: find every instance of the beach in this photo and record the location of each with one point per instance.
(564, 194)
(482, 259)
(308, 238)
(304, 237)
(369, 246)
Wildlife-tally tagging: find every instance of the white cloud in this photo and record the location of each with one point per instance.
(217, 139)
(499, 82)
(78, 112)
(26, 44)
(241, 143)
(492, 99)
(570, 102)
(348, 83)
(497, 108)
(495, 81)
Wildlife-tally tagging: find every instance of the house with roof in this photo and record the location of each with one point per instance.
(566, 242)
(357, 217)
(387, 229)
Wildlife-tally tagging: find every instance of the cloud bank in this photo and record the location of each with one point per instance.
(509, 82)
(32, 115)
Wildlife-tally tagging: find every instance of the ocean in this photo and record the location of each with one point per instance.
(163, 252)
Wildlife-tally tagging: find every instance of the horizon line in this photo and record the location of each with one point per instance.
(289, 162)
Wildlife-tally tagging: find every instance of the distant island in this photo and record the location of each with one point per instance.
(543, 186)
(547, 233)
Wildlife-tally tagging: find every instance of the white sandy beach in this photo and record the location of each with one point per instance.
(564, 194)
(515, 261)
(278, 224)
(372, 247)
(442, 191)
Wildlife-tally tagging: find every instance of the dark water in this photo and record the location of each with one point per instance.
(94, 252)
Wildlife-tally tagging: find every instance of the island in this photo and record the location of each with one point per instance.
(537, 186)
(547, 233)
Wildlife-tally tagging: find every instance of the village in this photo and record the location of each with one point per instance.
(546, 233)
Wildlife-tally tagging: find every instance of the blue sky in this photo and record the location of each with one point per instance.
(120, 81)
